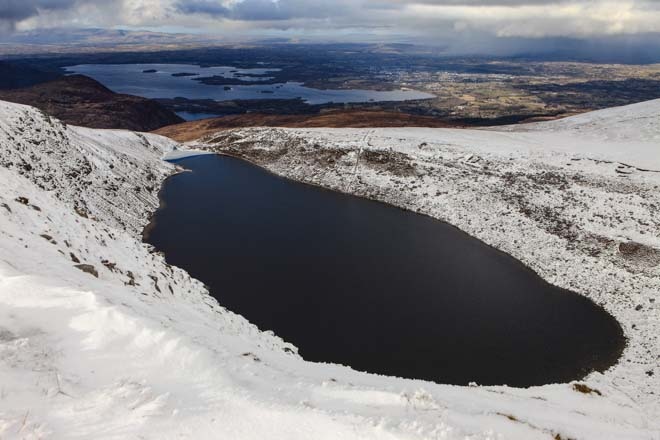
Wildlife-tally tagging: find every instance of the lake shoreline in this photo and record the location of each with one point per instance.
(224, 83)
(163, 338)
(170, 251)
(265, 147)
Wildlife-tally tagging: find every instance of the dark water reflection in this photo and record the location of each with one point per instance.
(364, 284)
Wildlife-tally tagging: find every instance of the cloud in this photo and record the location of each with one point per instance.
(13, 12)
(529, 18)
(263, 10)
(208, 7)
(431, 20)
(503, 18)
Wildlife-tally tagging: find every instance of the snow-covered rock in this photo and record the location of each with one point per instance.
(135, 348)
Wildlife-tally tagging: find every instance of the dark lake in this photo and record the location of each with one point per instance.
(380, 289)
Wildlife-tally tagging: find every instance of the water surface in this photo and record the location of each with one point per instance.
(364, 284)
(131, 79)
(190, 116)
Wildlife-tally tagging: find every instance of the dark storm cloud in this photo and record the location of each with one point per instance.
(207, 7)
(16, 10)
(13, 11)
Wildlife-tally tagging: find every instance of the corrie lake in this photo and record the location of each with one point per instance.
(371, 286)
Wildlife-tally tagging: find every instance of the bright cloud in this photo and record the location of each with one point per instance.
(430, 18)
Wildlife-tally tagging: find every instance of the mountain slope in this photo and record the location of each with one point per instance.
(80, 100)
(578, 205)
(192, 130)
(127, 346)
(16, 75)
(629, 134)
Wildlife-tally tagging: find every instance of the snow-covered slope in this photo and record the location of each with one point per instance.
(629, 134)
(635, 122)
(100, 338)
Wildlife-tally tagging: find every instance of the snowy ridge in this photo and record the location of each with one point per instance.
(130, 347)
(629, 134)
(635, 122)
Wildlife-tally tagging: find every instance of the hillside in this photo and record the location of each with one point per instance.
(80, 100)
(192, 130)
(576, 200)
(16, 75)
(101, 338)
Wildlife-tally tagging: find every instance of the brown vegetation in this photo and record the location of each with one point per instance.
(192, 130)
(79, 100)
(585, 389)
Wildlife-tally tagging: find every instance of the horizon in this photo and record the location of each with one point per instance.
(594, 29)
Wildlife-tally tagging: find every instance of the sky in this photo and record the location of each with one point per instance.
(468, 23)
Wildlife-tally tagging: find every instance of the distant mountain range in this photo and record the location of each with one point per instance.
(58, 41)
(101, 36)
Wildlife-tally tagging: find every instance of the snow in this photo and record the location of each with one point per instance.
(177, 154)
(143, 351)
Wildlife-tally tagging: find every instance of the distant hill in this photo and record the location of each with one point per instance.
(15, 75)
(80, 100)
(192, 130)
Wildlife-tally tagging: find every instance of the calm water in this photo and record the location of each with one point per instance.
(188, 116)
(368, 285)
(131, 79)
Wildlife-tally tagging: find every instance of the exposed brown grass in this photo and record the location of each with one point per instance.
(192, 130)
(79, 100)
(585, 389)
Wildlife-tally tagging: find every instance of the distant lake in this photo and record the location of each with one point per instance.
(365, 284)
(132, 79)
(189, 116)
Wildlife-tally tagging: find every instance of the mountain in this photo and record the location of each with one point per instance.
(80, 100)
(101, 338)
(16, 75)
(95, 41)
(104, 37)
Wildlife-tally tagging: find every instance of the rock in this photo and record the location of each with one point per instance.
(640, 253)
(109, 265)
(81, 212)
(87, 268)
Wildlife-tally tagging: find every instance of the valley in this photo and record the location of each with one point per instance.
(470, 91)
